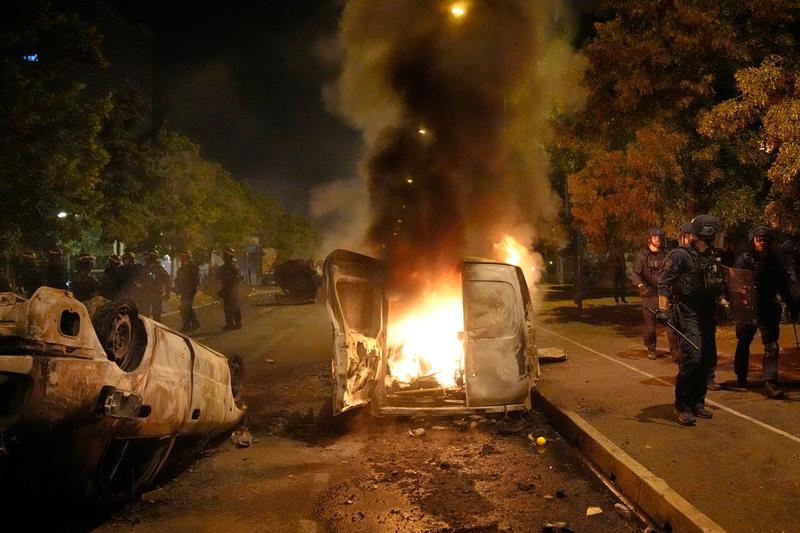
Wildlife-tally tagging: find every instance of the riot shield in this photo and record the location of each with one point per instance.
(741, 294)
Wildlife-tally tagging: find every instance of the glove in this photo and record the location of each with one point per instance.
(727, 310)
(662, 317)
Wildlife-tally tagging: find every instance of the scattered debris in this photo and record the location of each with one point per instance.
(560, 493)
(416, 432)
(444, 465)
(155, 496)
(271, 361)
(548, 497)
(591, 511)
(623, 510)
(487, 449)
(242, 438)
(551, 355)
(556, 527)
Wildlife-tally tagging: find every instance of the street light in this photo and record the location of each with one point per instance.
(62, 214)
(458, 9)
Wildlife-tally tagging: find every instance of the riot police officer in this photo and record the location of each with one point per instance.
(129, 277)
(645, 275)
(769, 280)
(55, 275)
(688, 293)
(110, 282)
(28, 278)
(186, 282)
(229, 278)
(85, 286)
(155, 285)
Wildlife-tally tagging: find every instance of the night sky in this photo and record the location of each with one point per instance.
(244, 80)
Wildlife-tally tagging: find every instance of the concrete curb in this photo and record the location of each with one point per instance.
(668, 510)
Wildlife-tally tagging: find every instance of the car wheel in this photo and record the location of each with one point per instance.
(122, 333)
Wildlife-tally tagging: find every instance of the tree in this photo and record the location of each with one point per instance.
(655, 67)
(50, 153)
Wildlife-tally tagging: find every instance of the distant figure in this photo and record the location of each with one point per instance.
(129, 276)
(85, 286)
(769, 280)
(616, 269)
(55, 275)
(28, 277)
(155, 285)
(186, 282)
(110, 282)
(229, 278)
(5, 286)
(645, 276)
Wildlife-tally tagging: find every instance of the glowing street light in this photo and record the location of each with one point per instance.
(62, 214)
(458, 9)
(422, 131)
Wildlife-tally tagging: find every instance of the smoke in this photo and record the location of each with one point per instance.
(453, 110)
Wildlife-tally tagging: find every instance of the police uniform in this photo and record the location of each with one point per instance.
(229, 275)
(129, 278)
(645, 276)
(155, 286)
(110, 282)
(85, 286)
(28, 279)
(186, 281)
(55, 275)
(694, 298)
(769, 280)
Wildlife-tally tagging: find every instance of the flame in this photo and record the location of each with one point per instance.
(510, 251)
(424, 340)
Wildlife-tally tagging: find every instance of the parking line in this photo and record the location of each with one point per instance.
(718, 405)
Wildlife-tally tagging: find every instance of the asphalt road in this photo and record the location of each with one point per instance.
(309, 471)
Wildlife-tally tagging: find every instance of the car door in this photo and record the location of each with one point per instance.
(358, 310)
(496, 360)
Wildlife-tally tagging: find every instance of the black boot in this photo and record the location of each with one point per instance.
(772, 391)
(685, 418)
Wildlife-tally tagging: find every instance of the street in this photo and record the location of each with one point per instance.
(310, 472)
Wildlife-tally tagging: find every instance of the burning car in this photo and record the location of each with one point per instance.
(101, 399)
(468, 349)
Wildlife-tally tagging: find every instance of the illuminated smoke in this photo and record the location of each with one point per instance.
(452, 99)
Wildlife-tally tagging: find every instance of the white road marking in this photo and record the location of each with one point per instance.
(718, 405)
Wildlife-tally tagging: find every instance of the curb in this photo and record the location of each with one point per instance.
(668, 509)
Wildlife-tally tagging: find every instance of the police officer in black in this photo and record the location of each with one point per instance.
(129, 278)
(28, 278)
(109, 282)
(688, 294)
(645, 275)
(55, 275)
(85, 286)
(155, 285)
(186, 281)
(769, 280)
(229, 278)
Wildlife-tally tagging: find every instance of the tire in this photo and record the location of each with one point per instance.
(121, 332)
(236, 367)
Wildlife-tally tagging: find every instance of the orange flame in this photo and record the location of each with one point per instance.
(512, 252)
(424, 340)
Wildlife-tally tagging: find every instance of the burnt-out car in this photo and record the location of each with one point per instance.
(299, 279)
(98, 400)
(499, 365)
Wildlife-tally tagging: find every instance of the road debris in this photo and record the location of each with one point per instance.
(416, 432)
(271, 361)
(591, 511)
(242, 438)
(623, 510)
(555, 527)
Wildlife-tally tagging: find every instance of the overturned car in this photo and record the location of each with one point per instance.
(496, 358)
(99, 400)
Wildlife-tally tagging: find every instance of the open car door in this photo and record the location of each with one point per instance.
(358, 309)
(497, 344)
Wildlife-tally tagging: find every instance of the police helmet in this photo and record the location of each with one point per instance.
(86, 258)
(229, 252)
(760, 231)
(128, 255)
(152, 255)
(685, 229)
(29, 255)
(705, 227)
(55, 253)
(186, 254)
(655, 232)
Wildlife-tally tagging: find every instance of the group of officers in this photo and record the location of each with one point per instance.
(687, 289)
(147, 284)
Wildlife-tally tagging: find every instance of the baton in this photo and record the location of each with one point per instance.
(674, 328)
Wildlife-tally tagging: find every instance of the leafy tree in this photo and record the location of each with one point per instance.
(762, 126)
(51, 156)
(655, 67)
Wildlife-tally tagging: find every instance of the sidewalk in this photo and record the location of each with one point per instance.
(740, 469)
